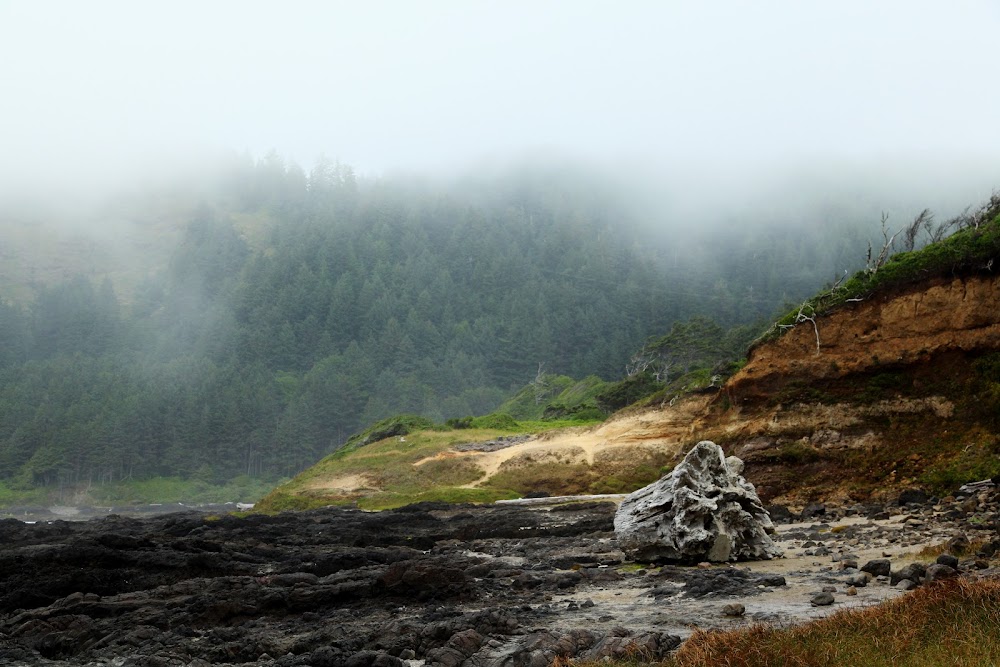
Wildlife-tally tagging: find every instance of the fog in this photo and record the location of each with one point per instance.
(738, 97)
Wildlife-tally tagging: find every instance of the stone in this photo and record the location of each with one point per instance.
(703, 510)
(912, 497)
(859, 580)
(957, 545)
(905, 584)
(949, 560)
(937, 571)
(851, 590)
(969, 505)
(734, 609)
(878, 567)
(813, 510)
(914, 572)
(822, 599)
(780, 513)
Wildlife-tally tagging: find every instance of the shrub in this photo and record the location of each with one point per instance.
(460, 422)
(499, 421)
(388, 428)
(617, 395)
(575, 413)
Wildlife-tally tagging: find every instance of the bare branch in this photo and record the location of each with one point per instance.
(802, 317)
(920, 223)
(872, 266)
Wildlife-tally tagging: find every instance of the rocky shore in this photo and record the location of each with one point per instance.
(441, 585)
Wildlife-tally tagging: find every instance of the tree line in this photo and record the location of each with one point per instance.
(263, 345)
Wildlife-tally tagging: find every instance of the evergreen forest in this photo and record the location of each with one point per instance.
(283, 311)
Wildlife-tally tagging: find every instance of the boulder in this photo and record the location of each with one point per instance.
(880, 567)
(912, 497)
(704, 510)
(823, 599)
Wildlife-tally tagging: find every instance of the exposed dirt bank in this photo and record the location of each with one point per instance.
(885, 330)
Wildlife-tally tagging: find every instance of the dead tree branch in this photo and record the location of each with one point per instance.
(801, 317)
(872, 266)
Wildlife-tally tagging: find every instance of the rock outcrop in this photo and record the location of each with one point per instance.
(704, 510)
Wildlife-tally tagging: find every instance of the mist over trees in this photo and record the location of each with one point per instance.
(295, 308)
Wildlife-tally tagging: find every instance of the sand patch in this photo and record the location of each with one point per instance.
(343, 484)
(666, 429)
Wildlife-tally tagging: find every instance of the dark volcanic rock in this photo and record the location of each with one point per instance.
(880, 567)
(912, 496)
(914, 572)
(330, 587)
(716, 581)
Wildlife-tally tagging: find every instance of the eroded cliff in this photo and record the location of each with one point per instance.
(897, 390)
(960, 315)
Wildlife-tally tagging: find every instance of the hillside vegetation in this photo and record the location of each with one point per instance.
(249, 325)
(902, 392)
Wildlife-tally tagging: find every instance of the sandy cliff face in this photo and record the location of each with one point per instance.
(889, 398)
(896, 330)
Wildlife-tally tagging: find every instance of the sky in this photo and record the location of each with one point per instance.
(103, 86)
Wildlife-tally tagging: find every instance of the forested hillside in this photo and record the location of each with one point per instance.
(295, 309)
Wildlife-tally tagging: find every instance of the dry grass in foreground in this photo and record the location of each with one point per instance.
(954, 623)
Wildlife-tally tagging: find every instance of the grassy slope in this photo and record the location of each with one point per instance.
(384, 454)
(392, 478)
(140, 492)
(556, 391)
(973, 249)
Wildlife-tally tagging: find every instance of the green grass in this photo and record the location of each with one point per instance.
(9, 496)
(447, 495)
(967, 251)
(398, 425)
(175, 489)
(563, 393)
(978, 459)
(791, 453)
(142, 492)
(394, 479)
